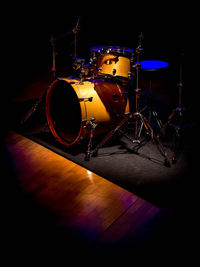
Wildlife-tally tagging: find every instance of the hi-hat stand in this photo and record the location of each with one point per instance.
(140, 120)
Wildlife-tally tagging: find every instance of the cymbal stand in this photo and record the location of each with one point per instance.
(139, 49)
(35, 107)
(140, 121)
(139, 118)
(152, 112)
(175, 119)
(53, 69)
(53, 41)
(75, 32)
(121, 125)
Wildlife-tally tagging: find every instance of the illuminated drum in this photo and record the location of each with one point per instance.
(113, 61)
(71, 105)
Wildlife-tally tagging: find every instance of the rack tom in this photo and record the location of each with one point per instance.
(112, 61)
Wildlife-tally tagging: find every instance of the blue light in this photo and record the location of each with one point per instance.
(112, 48)
(153, 64)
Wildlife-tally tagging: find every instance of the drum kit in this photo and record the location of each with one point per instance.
(96, 103)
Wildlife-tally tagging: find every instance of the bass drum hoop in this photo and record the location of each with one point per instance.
(50, 118)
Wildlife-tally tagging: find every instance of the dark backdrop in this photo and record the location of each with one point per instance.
(30, 48)
(29, 51)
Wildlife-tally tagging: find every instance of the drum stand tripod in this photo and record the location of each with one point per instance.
(139, 119)
(152, 112)
(175, 119)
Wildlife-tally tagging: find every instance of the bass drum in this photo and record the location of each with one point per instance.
(71, 104)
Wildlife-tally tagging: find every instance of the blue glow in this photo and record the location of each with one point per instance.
(112, 48)
(153, 64)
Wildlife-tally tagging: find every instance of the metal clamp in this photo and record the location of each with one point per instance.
(85, 99)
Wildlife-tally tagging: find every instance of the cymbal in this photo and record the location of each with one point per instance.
(153, 65)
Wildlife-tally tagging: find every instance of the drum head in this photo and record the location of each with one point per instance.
(63, 112)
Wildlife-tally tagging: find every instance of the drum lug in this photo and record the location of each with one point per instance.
(130, 74)
(84, 122)
(85, 99)
(99, 69)
(88, 123)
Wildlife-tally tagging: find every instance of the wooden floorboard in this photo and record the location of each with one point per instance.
(83, 206)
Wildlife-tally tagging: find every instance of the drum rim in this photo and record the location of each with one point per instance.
(112, 78)
(49, 117)
(114, 49)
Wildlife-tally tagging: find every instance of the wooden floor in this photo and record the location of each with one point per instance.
(67, 202)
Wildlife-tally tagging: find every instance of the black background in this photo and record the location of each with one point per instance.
(28, 51)
(29, 35)
(166, 33)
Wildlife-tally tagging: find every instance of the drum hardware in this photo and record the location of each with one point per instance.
(85, 99)
(152, 66)
(75, 31)
(99, 70)
(31, 111)
(139, 50)
(81, 68)
(37, 106)
(53, 41)
(126, 118)
(152, 112)
(176, 118)
(92, 126)
(149, 132)
(78, 63)
(53, 69)
(130, 74)
(139, 118)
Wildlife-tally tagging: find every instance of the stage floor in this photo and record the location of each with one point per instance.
(57, 208)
